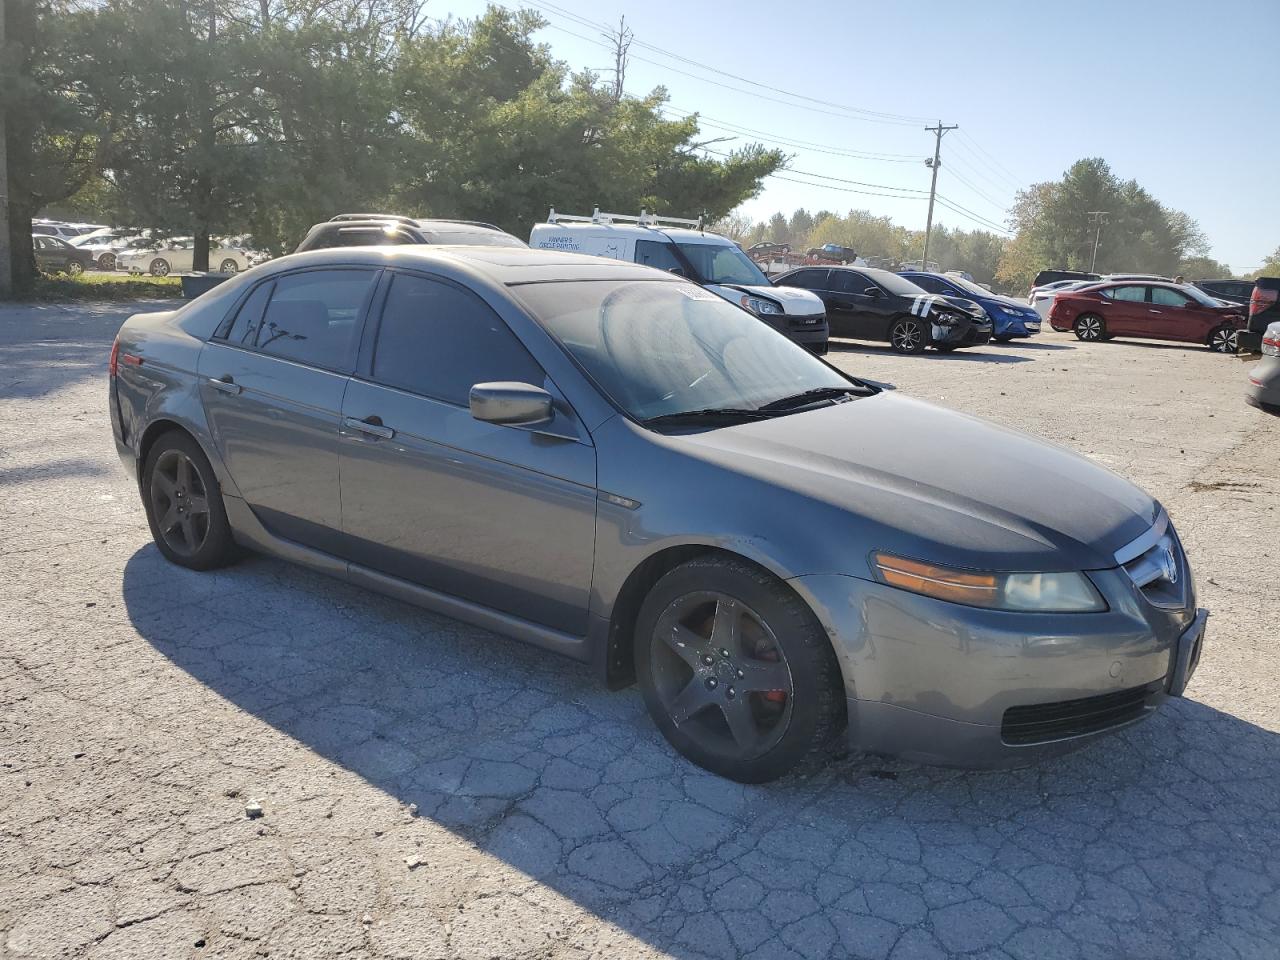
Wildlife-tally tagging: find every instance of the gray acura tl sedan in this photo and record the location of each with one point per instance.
(609, 462)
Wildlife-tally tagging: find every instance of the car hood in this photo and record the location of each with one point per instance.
(942, 486)
(795, 302)
(1007, 303)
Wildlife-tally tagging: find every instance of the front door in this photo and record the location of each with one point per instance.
(503, 516)
(867, 307)
(1175, 316)
(272, 385)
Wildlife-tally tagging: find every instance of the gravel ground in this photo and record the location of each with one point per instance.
(431, 790)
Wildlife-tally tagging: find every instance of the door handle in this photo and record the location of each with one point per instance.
(370, 425)
(225, 384)
(1155, 311)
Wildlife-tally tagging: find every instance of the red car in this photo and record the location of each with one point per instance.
(1150, 311)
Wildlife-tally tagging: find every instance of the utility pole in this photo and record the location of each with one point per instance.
(935, 163)
(6, 266)
(1099, 217)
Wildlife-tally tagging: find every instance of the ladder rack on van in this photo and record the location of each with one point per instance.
(645, 219)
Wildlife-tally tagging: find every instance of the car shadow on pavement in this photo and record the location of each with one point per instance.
(973, 354)
(1158, 842)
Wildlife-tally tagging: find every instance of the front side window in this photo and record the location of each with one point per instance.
(849, 281)
(439, 340)
(658, 348)
(805, 279)
(661, 256)
(1168, 298)
(312, 317)
(1128, 294)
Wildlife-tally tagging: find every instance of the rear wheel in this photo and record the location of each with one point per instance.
(907, 335)
(74, 268)
(736, 671)
(107, 261)
(1090, 327)
(1223, 339)
(228, 266)
(184, 506)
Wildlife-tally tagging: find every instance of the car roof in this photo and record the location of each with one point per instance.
(504, 265)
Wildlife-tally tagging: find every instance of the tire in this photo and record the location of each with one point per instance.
(907, 335)
(159, 267)
(228, 266)
(774, 701)
(184, 505)
(945, 347)
(1223, 339)
(107, 261)
(1090, 327)
(74, 268)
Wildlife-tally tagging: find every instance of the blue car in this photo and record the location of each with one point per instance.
(1009, 317)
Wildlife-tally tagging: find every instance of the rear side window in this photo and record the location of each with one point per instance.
(244, 329)
(1130, 294)
(439, 340)
(311, 317)
(659, 255)
(930, 284)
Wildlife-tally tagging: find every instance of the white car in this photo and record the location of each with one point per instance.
(1042, 297)
(175, 256)
(105, 245)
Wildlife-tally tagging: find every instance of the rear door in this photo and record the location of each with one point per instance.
(1125, 310)
(502, 516)
(272, 382)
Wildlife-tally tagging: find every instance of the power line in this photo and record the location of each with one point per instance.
(1013, 176)
(824, 176)
(828, 186)
(781, 140)
(975, 217)
(1002, 207)
(882, 116)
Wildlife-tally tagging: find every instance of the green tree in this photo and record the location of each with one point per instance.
(1270, 267)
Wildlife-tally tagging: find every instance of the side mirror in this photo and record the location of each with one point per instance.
(872, 292)
(679, 272)
(510, 403)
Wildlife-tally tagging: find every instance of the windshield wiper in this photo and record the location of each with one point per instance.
(815, 395)
(701, 416)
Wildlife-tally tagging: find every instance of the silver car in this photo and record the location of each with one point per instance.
(1264, 376)
(610, 462)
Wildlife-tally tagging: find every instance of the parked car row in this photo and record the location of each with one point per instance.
(74, 248)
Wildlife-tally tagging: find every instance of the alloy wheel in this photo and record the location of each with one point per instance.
(1089, 328)
(1223, 340)
(159, 267)
(906, 336)
(107, 261)
(74, 268)
(180, 503)
(228, 266)
(721, 675)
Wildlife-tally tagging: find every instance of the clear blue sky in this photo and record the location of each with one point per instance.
(1180, 96)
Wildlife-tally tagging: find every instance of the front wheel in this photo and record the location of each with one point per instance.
(1223, 339)
(159, 267)
(184, 506)
(1090, 327)
(907, 335)
(736, 671)
(228, 266)
(107, 261)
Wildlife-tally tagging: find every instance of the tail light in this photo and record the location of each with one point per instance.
(1271, 346)
(1260, 300)
(113, 362)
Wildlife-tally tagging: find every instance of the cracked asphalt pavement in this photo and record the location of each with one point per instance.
(429, 790)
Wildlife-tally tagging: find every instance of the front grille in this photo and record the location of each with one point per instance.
(1157, 565)
(806, 323)
(1046, 722)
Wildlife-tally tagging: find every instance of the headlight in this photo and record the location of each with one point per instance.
(759, 306)
(1068, 592)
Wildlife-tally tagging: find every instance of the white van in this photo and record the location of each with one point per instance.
(683, 247)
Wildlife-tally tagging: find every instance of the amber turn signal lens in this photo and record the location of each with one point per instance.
(958, 586)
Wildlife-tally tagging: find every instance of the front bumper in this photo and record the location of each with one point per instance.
(938, 682)
(812, 332)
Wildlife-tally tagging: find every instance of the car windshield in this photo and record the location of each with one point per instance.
(722, 263)
(970, 286)
(1195, 293)
(658, 348)
(895, 284)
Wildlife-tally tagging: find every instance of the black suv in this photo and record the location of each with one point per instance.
(379, 229)
(869, 304)
(1232, 291)
(1264, 309)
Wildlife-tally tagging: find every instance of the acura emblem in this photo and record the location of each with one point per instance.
(1169, 565)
